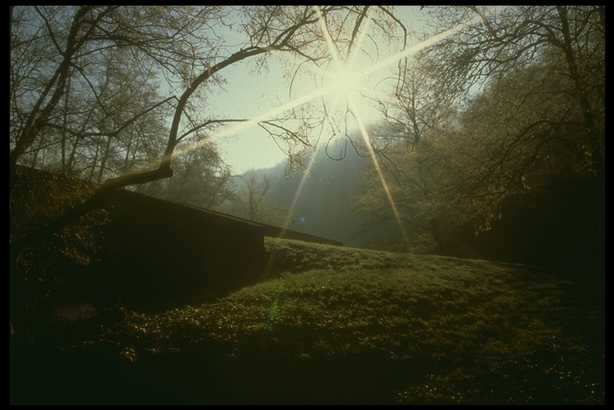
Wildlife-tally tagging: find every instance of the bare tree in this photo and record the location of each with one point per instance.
(50, 96)
(201, 179)
(413, 110)
(252, 197)
(515, 37)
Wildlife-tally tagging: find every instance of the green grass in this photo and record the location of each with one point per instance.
(342, 325)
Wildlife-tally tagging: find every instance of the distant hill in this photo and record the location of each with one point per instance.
(326, 205)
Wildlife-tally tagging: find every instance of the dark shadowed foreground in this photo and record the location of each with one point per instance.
(335, 325)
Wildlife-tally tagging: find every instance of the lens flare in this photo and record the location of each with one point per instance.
(330, 88)
(332, 49)
(299, 190)
(380, 174)
(418, 47)
(230, 130)
(361, 35)
(298, 193)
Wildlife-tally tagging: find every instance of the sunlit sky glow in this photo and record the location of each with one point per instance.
(243, 146)
(344, 82)
(253, 95)
(341, 82)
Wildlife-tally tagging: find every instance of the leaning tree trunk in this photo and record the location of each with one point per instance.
(103, 160)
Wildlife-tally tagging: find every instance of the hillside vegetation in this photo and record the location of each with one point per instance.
(343, 325)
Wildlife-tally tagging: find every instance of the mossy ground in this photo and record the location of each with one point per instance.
(341, 325)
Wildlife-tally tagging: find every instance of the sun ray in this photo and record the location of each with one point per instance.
(418, 47)
(361, 35)
(327, 89)
(380, 174)
(297, 193)
(230, 130)
(332, 49)
(331, 113)
(316, 70)
(299, 190)
(290, 214)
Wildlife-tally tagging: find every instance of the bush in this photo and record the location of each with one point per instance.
(56, 268)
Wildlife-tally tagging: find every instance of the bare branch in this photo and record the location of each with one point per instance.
(355, 31)
(206, 124)
(49, 30)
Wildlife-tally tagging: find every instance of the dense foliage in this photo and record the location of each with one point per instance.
(59, 266)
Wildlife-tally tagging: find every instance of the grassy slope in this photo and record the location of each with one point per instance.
(346, 325)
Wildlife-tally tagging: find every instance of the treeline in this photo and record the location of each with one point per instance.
(492, 147)
(503, 129)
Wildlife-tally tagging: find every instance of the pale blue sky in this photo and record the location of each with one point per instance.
(248, 94)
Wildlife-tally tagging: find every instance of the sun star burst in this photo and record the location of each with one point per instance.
(344, 81)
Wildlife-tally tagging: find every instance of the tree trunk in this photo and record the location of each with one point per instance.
(71, 158)
(125, 167)
(103, 161)
(39, 114)
(583, 102)
(91, 176)
(35, 158)
(63, 148)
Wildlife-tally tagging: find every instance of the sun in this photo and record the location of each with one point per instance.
(347, 85)
(344, 82)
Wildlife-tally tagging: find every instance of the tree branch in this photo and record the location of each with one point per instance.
(49, 30)
(207, 123)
